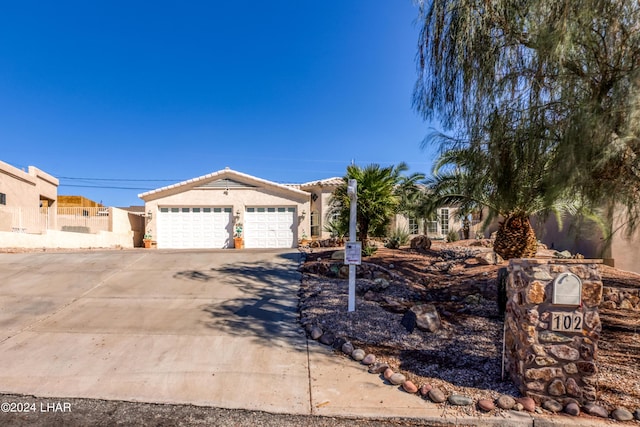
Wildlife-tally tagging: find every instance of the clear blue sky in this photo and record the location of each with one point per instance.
(131, 93)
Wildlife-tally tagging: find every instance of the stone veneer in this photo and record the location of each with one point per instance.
(547, 364)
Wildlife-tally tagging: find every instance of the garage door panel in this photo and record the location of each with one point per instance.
(271, 227)
(201, 228)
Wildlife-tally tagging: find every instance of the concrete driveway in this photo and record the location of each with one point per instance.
(159, 326)
(213, 328)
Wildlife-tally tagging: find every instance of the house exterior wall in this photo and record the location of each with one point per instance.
(236, 198)
(321, 206)
(26, 189)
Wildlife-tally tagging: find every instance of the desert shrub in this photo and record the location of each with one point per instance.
(453, 236)
(337, 228)
(369, 250)
(398, 238)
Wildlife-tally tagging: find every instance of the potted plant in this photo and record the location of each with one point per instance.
(304, 239)
(237, 236)
(148, 240)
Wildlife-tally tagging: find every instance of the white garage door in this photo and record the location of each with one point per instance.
(197, 228)
(269, 227)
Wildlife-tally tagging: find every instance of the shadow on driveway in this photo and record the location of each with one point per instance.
(269, 311)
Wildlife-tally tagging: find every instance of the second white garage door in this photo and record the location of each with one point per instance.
(269, 227)
(194, 227)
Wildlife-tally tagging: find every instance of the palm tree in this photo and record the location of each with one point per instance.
(507, 169)
(574, 64)
(381, 192)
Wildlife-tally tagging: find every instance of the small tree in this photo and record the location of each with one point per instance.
(380, 192)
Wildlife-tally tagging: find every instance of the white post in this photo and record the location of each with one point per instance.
(352, 191)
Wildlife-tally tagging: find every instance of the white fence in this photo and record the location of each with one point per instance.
(38, 220)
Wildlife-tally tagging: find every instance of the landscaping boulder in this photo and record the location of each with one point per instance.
(421, 243)
(427, 317)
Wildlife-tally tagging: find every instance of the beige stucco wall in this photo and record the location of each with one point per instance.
(321, 206)
(24, 189)
(625, 248)
(66, 240)
(236, 198)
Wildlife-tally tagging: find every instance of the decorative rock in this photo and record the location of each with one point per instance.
(391, 266)
(596, 410)
(587, 368)
(316, 333)
(427, 317)
(571, 368)
(387, 373)
(347, 348)
(548, 336)
(358, 354)
(327, 338)
(505, 402)
(409, 387)
(518, 407)
(486, 405)
(425, 389)
(381, 283)
(573, 389)
(527, 403)
(436, 395)
(621, 414)
(552, 405)
(489, 258)
(369, 359)
(338, 255)
(536, 294)
(397, 379)
(565, 352)
(338, 343)
(546, 361)
(544, 374)
(591, 293)
(556, 388)
(572, 408)
(378, 368)
(636, 414)
(460, 400)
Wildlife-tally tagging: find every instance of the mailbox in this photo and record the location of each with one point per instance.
(567, 290)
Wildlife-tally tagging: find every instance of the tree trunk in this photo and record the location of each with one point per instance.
(516, 238)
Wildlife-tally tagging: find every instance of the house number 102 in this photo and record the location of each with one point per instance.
(567, 322)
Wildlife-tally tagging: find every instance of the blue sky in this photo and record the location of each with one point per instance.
(139, 95)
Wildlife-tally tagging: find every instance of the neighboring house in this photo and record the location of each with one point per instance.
(31, 189)
(24, 191)
(203, 212)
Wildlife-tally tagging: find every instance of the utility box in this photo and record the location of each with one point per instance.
(552, 328)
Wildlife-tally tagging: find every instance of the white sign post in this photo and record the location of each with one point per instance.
(352, 192)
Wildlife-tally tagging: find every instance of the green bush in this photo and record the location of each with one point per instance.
(337, 228)
(453, 236)
(369, 250)
(398, 238)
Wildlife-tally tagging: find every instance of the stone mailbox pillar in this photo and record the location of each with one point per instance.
(552, 328)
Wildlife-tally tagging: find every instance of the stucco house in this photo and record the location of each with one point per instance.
(28, 191)
(31, 189)
(206, 211)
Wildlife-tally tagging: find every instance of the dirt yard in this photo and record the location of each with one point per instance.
(465, 355)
